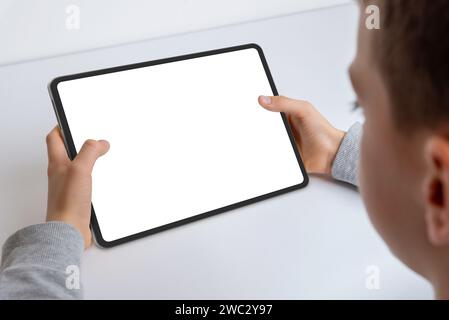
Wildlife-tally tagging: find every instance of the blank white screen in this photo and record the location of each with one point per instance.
(186, 137)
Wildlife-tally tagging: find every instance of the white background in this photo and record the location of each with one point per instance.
(31, 29)
(189, 130)
(271, 249)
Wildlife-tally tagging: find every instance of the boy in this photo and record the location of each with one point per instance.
(401, 77)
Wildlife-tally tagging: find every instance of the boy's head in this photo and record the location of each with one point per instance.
(401, 77)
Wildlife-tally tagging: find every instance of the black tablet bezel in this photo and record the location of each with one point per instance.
(71, 150)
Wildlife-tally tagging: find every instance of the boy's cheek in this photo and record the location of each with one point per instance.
(387, 187)
(377, 184)
(369, 179)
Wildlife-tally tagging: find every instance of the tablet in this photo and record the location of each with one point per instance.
(188, 139)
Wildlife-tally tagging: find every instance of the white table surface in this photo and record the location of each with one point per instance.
(31, 29)
(312, 243)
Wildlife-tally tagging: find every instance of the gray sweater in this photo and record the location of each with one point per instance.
(42, 261)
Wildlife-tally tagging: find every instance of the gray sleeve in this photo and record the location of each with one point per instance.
(345, 166)
(42, 262)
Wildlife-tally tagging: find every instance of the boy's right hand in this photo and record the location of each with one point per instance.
(317, 140)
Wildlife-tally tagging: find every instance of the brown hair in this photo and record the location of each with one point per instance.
(414, 60)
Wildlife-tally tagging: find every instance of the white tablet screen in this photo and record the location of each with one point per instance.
(186, 137)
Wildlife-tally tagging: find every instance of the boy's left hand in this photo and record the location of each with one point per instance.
(70, 182)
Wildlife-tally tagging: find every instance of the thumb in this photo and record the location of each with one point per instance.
(90, 152)
(297, 108)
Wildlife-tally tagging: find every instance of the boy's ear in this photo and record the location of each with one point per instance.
(436, 190)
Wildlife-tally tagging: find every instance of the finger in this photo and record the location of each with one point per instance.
(55, 147)
(298, 108)
(90, 152)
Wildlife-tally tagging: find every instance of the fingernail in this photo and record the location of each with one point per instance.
(105, 142)
(266, 100)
